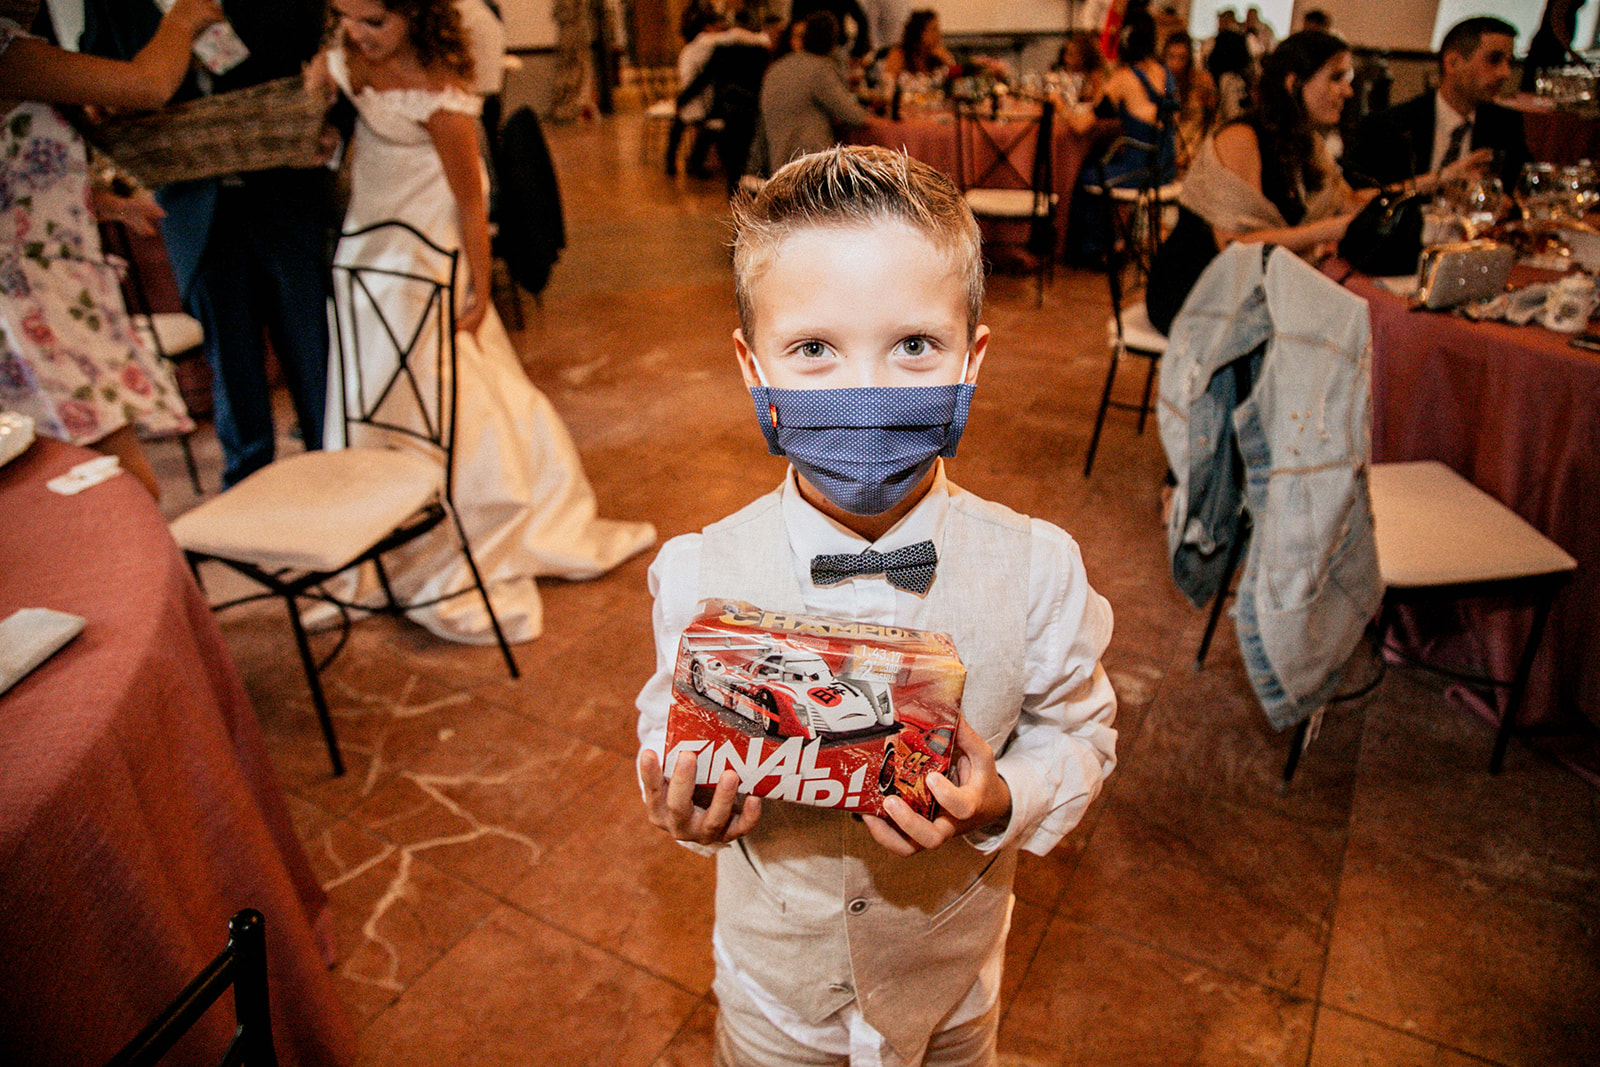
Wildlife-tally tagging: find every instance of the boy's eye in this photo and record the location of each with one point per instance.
(916, 346)
(812, 349)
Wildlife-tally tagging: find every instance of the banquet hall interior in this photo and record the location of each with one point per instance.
(496, 895)
(500, 898)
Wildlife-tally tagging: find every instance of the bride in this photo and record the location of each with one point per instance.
(520, 489)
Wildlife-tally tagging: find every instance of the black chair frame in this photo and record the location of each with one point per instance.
(438, 323)
(241, 966)
(1115, 264)
(973, 135)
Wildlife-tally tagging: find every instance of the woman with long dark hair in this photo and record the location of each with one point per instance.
(921, 50)
(1268, 176)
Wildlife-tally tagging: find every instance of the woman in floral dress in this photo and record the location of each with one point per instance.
(69, 357)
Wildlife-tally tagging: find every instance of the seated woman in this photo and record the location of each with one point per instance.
(1267, 176)
(1146, 151)
(1197, 96)
(920, 51)
(1084, 67)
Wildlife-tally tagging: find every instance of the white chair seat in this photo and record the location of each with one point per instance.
(1167, 194)
(1137, 332)
(1433, 528)
(316, 511)
(1005, 203)
(177, 333)
(662, 111)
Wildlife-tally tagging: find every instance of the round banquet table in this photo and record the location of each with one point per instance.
(138, 810)
(931, 138)
(1516, 411)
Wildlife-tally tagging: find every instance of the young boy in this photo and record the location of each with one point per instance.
(867, 940)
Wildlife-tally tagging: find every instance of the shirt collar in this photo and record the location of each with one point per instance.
(811, 533)
(1446, 118)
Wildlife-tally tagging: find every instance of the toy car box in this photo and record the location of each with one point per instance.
(820, 711)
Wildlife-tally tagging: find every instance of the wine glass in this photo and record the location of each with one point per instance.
(1536, 193)
(1480, 205)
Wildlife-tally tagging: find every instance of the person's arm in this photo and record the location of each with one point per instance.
(33, 70)
(1238, 150)
(455, 138)
(839, 103)
(1063, 747)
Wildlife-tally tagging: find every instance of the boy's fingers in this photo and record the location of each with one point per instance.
(680, 790)
(885, 834)
(746, 820)
(714, 820)
(959, 802)
(914, 826)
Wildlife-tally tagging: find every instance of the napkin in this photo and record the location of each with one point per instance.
(89, 472)
(31, 636)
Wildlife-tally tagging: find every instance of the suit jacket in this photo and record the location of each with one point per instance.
(1393, 145)
(281, 35)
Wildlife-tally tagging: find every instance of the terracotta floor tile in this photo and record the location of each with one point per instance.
(693, 1045)
(622, 885)
(1093, 996)
(516, 991)
(1348, 1041)
(1457, 955)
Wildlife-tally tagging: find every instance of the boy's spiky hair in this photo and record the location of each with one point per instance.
(850, 186)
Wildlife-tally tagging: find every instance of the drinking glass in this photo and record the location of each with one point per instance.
(1480, 204)
(1536, 193)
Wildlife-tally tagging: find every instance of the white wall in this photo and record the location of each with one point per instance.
(528, 23)
(980, 16)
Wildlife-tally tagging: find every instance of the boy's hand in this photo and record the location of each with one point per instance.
(671, 803)
(981, 799)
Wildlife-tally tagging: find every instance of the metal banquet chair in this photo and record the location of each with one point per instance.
(303, 519)
(241, 966)
(995, 185)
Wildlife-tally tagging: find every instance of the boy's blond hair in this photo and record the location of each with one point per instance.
(854, 185)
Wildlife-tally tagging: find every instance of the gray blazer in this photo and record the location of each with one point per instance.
(804, 100)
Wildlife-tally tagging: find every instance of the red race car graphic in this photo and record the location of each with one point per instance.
(788, 692)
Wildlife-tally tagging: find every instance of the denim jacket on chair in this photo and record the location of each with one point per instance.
(1310, 581)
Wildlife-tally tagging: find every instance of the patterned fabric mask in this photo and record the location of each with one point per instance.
(863, 448)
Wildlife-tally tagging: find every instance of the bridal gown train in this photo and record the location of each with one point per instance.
(520, 489)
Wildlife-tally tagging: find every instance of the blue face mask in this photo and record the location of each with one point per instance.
(863, 448)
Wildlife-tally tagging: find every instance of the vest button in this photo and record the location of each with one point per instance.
(856, 906)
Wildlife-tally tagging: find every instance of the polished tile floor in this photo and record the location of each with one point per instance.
(500, 898)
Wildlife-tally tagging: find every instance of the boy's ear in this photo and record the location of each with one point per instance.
(980, 346)
(747, 360)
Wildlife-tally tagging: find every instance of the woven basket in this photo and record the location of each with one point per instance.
(274, 124)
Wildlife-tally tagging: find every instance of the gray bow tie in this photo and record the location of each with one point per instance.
(909, 568)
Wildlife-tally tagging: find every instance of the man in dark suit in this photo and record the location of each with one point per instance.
(1459, 121)
(250, 251)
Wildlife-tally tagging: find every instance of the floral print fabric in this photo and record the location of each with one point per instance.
(69, 357)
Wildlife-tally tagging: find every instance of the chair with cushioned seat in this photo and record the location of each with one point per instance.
(303, 519)
(996, 187)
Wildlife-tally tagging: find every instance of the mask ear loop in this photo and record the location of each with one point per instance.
(966, 359)
(761, 376)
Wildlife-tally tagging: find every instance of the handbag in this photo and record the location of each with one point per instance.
(1385, 237)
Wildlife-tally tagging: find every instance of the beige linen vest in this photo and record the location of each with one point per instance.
(808, 905)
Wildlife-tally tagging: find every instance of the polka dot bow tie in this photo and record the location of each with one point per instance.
(909, 568)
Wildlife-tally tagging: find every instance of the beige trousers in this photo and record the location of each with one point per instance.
(747, 1038)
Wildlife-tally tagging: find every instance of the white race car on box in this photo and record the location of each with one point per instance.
(788, 692)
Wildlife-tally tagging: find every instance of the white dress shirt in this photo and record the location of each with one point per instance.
(1064, 744)
(1445, 121)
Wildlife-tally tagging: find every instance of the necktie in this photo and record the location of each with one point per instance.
(1458, 140)
(909, 568)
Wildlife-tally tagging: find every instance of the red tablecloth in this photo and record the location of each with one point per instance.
(1556, 136)
(1516, 410)
(138, 810)
(932, 139)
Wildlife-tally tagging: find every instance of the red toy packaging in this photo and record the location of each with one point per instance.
(820, 711)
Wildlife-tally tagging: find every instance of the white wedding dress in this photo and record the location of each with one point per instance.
(519, 487)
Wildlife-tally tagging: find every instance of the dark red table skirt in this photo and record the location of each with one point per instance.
(138, 810)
